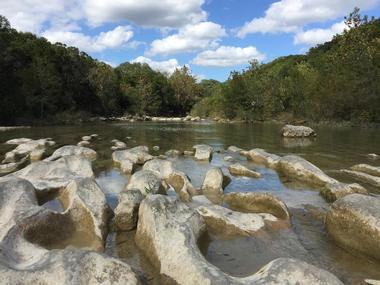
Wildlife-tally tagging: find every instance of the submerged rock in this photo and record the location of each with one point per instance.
(180, 260)
(126, 212)
(363, 177)
(368, 169)
(354, 222)
(373, 156)
(291, 131)
(25, 224)
(240, 170)
(257, 203)
(173, 153)
(203, 152)
(68, 150)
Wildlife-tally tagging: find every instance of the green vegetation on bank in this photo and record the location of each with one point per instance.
(336, 81)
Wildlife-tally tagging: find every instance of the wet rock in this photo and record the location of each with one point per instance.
(368, 169)
(188, 153)
(337, 190)
(235, 149)
(69, 150)
(25, 224)
(137, 155)
(173, 153)
(229, 158)
(213, 185)
(372, 282)
(126, 166)
(118, 145)
(228, 223)
(363, 177)
(83, 143)
(257, 203)
(34, 149)
(147, 182)
(126, 212)
(373, 156)
(156, 148)
(240, 170)
(177, 179)
(260, 156)
(18, 141)
(48, 175)
(297, 142)
(86, 138)
(203, 152)
(162, 218)
(291, 131)
(354, 222)
(297, 167)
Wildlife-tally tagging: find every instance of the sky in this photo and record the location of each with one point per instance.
(212, 37)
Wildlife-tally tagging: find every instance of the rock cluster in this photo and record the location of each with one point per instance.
(127, 159)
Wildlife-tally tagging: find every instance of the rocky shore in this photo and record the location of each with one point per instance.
(169, 214)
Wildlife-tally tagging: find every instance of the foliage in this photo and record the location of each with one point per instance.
(335, 81)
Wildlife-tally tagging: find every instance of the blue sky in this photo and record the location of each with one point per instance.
(213, 37)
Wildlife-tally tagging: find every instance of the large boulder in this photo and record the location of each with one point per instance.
(33, 149)
(56, 174)
(147, 182)
(28, 230)
(176, 179)
(163, 219)
(126, 212)
(69, 150)
(354, 222)
(257, 203)
(127, 159)
(203, 152)
(260, 156)
(240, 170)
(213, 185)
(291, 131)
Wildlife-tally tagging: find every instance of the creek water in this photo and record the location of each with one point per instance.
(306, 239)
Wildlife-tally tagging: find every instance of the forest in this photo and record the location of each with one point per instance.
(337, 81)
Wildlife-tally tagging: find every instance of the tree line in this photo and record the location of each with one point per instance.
(335, 81)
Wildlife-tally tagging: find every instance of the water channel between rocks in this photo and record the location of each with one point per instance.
(306, 239)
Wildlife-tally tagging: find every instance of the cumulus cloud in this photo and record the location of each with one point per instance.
(292, 15)
(227, 56)
(317, 36)
(190, 38)
(149, 13)
(105, 40)
(167, 66)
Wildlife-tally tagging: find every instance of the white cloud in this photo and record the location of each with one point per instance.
(227, 56)
(167, 66)
(150, 13)
(105, 40)
(317, 36)
(292, 15)
(190, 38)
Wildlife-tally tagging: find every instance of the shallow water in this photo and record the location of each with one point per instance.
(333, 149)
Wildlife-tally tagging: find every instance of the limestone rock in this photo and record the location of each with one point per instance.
(257, 203)
(240, 170)
(337, 190)
(68, 150)
(291, 131)
(354, 222)
(203, 152)
(363, 177)
(235, 149)
(163, 218)
(147, 182)
(127, 210)
(260, 156)
(213, 185)
(368, 169)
